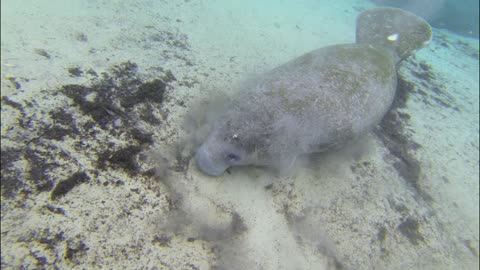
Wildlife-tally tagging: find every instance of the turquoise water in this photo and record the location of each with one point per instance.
(105, 103)
(458, 16)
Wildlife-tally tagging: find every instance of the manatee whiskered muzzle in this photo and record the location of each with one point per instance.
(208, 163)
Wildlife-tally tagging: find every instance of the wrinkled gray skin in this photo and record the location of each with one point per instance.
(316, 102)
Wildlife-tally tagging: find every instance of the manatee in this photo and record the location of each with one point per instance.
(317, 102)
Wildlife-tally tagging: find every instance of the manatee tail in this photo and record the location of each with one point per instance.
(395, 29)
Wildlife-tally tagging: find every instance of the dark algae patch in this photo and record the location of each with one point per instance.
(430, 90)
(393, 129)
(93, 133)
(75, 71)
(410, 228)
(152, 91)
(14, 82)
(9, 176)
(63, 187)
(392, 132)
(40, 166)
(116, 95)
(46, 238)
(42, 52)
(7, 101)
(74, 251)
(123, 158)
(162, 240)
(114, 103)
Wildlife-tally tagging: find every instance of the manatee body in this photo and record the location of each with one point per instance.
(318, 101)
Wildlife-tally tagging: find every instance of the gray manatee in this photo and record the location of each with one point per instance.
(317, 102)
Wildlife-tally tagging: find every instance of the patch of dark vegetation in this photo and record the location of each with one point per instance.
(91, 72)
(423, 75)
(14, 105)
(45, 237)
(141, 137)
(14, 82)
(39, 158)
(80, 36)
(55, 210)
(392, 132)
(60, 116)
(172, 39)
(119, 183)
(468, 49)
(410, 228)
(400, 208)
(382, 234)
(27, 121)
(189, 83)
(404, 89)
(64, 121)
(101, 110)
(168, 77)
(56, 133)
(123, 158)
(424, 72)
(146, 113)
(10, 175)
(63, 187)
(116, 94)
(75, 71)
(442, 103)
(392, 129)
(115, 102)
(409, 169)
(39, 167)
(41, 260)
(430, 90)
(238, 225)
(152, 91)
(162, 240)
(89, 128)
(42, 52)
(362, 169)
(75, 251)
(150, 172)
(63, 125)
(50, 239)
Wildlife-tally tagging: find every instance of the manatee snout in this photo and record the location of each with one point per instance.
(215, 158)
(206, 162)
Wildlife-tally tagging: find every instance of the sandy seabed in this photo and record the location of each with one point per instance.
(97, 174)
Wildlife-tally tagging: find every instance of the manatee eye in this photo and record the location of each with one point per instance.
(231, 157)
